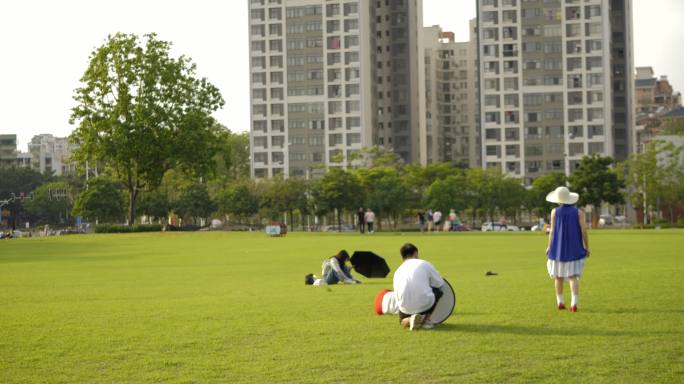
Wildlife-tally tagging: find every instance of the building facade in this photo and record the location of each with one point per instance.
(329, 78)
(556, 83)
(451, 97)
(8, 150)
(653, 95)
(50, 154)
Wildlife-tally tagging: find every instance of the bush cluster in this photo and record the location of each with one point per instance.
(661, 226)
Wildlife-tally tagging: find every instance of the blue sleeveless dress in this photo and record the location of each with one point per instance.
(567, 254)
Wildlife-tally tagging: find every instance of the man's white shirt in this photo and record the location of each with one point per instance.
(413, 283)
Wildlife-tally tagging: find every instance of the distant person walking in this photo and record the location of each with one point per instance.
(503, 221)
(421, 220)
(429, 219)
(370, 219)
(568, 244)
(361, 218)
(437, 219)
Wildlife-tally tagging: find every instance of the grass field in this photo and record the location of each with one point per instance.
(232, 308)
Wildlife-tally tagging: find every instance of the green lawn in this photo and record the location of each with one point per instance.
(232, 308)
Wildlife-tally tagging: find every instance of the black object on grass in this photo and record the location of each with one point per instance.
(309, 279)
(490, 273)
(369, 264)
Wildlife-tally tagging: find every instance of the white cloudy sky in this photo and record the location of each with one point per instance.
(44, 47)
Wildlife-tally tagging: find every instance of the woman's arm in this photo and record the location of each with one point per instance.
(551, 225)
(583, 226)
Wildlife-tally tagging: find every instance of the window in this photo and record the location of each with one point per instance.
(595, 148)
(353, 138)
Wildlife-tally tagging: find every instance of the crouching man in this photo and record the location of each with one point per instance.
(417, 288)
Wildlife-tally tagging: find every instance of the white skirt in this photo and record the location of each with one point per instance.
(565, 269)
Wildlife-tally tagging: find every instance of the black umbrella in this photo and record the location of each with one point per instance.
(369, 264)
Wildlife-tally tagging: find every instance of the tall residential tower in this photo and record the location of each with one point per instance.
(330, 77)
(556, 83)
(451, 97)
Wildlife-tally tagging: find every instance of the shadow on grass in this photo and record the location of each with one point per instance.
(538, 331)
(388, 283)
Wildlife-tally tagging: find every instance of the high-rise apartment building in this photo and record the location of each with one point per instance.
(50, 154)
(8, 150)
(556, 83)
(330, 77)
(451, 97)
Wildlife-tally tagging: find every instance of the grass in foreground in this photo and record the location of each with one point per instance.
(232, 307)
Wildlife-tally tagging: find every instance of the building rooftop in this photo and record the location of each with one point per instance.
(645, 83)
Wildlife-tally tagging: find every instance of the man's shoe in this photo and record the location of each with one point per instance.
(416, 321)
(573, 308)
(309, 279)
(561, 306)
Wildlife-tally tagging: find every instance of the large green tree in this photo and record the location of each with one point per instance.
(419, 178)
(18, 181)
(49, 205)
(155, 204)
(597, 183)
(233, 155)
(385, 192)
(338, 190)
(510, 195)
(102, 200)
(448, 193)
(142, 112)
(542, 186)
(239, 199)
(194, 202)
(655, 178)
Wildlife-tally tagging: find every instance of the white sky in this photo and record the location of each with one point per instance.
(44, 48)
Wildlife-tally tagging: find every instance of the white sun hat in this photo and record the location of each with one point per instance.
(562, 195)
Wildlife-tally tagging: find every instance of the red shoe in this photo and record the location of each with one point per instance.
(573, 308)
(561, 306)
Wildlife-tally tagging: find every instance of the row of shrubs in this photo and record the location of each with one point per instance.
(661, 226)
(115, 228)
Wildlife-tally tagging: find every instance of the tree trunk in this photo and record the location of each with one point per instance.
(132, 197)
(594, 219)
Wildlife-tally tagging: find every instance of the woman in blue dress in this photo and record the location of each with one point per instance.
(568, 246)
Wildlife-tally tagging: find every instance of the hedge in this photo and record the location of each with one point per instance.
(115, 228)
(654, 226)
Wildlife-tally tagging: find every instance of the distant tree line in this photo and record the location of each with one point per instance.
(395, 191)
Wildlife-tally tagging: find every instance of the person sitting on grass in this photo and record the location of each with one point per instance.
(333, 271)
(417, 288)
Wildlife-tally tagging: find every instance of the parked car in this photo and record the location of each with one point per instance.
(496, 227)
(605, 220)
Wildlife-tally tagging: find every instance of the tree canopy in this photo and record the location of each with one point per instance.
(597, 182)
(142, 112)
(102, 200)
